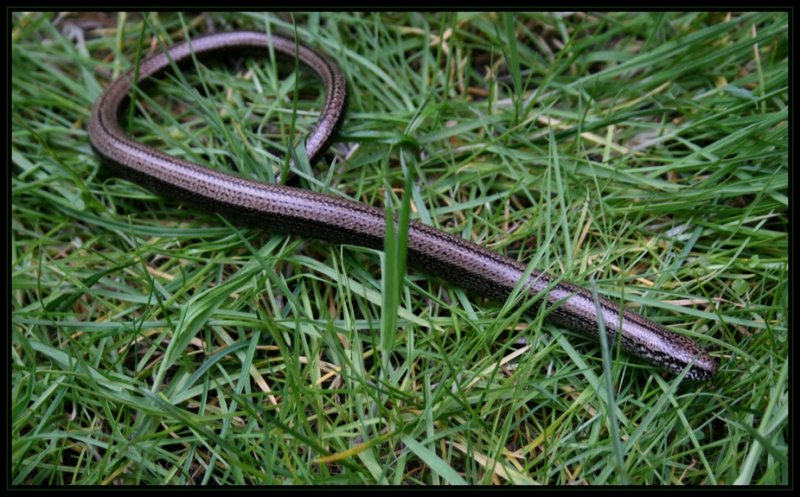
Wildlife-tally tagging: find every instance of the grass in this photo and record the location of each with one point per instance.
(647, 153)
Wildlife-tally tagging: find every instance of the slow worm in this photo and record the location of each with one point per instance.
(301, 212)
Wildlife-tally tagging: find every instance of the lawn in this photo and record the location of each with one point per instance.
(644, 155)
